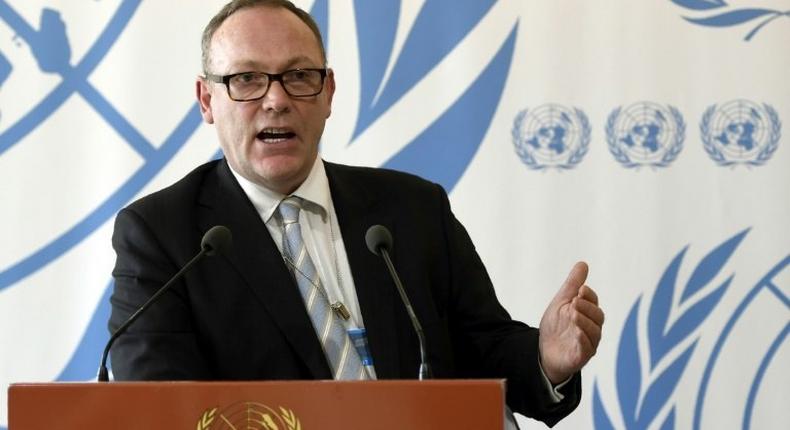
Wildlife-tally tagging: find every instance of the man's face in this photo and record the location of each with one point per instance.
(272, 141)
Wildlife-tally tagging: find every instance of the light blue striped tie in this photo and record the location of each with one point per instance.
(338, 348)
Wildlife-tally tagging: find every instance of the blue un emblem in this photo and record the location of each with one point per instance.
(551, 136)
(645, 134)
(740, 132)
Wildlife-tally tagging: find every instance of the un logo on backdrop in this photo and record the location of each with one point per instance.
(551, 136)
(646, 378)
(740, 132)
(645, 134)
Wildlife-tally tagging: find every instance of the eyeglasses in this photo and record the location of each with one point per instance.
(249, 86)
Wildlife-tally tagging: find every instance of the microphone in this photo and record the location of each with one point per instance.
(217, 240)
(379, 241)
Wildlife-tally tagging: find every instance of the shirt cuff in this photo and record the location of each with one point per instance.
(554, 390)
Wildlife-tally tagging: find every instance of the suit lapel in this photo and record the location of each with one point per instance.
(357, 210)
(256, 258)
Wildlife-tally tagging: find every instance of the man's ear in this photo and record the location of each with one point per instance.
(204, 99)
(330, 89)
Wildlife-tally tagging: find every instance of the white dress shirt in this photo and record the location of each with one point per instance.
(320, 232)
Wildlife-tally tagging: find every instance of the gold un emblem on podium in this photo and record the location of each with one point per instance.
(248, 415)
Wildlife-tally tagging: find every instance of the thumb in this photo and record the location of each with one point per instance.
(575, 280)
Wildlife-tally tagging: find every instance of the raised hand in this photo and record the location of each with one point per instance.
(570, 328)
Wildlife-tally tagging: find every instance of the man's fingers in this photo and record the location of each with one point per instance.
(587, 293)
(589, 328)
(589, 309)
(575, 280)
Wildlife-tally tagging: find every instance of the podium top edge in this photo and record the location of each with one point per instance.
(432, 382)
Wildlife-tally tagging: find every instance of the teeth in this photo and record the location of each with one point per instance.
(275, 130)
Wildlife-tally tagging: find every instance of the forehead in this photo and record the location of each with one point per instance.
(265, 37)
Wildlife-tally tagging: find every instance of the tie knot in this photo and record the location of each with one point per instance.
(289, 209)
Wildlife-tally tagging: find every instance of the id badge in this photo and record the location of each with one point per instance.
(359, 338)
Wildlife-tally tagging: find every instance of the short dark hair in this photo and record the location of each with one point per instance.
(237, 5)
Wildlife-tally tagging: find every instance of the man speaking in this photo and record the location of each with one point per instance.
(299, 295)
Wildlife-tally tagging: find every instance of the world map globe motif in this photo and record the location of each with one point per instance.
(755, 340)
(98, 129)
(644, 131)
(739, 129)
(550, 133)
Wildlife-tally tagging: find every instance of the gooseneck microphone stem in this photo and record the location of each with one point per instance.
(217, 240)
(425, 368)
(103, 374)
(379, 241)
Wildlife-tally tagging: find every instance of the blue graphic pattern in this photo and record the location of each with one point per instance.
(320, 14)
(640, 405)
(426, 45)
(85, 360)
(50, 45)
(5, 69)
(758, 378)
(700, 4)
(730, 18)
(377, 21)
(444, 141)
(764, 283)
(51, 49)
(74, 78)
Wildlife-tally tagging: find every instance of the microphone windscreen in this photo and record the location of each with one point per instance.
(378, 237)
(217, 240)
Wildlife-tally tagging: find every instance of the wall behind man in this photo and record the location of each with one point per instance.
(643, 137)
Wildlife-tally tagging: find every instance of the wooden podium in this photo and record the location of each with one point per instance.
(304, 405)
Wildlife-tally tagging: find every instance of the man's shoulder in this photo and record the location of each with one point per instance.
(182, 192)
(377, 179)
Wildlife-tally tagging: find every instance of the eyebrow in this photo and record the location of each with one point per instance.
(254, 65)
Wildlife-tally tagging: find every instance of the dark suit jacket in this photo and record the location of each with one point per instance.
(241, 317)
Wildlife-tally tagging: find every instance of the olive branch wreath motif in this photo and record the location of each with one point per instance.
(642, 400)
(286, 415)
(727, 16)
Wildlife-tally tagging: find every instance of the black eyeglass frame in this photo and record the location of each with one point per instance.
(272, 77)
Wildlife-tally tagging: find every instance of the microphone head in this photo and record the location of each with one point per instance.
(378, 237)
(217, 240)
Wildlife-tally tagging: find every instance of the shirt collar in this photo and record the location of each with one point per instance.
(314, 190)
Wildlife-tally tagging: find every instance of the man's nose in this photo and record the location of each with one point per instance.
(276, 99)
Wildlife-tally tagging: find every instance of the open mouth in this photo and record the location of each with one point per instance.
(274, 135)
